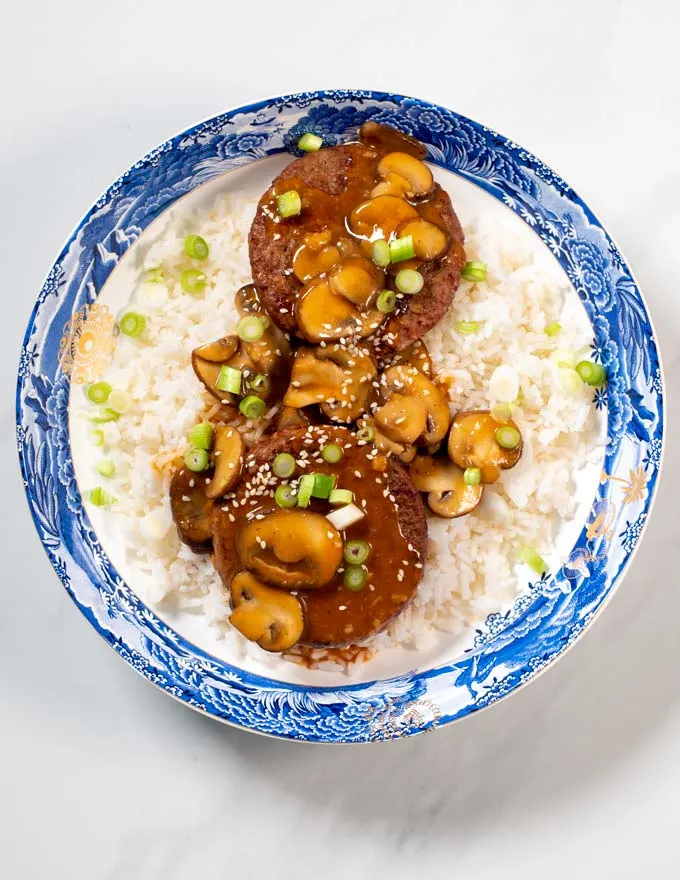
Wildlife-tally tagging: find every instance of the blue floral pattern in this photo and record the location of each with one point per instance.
(510, 648)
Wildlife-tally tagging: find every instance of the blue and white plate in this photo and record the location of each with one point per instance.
(71, 323)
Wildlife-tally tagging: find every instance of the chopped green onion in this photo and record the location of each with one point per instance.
(591, 373)
(502, 412)
(284, 465)
(197, 459)
(474, 271)
(323, 485)
(564, 358)
(251, 328)
(289, 203)
(100, 497)
(305, 489)
(508, 437)
(104, 415)
(132, 324)
(252, 407)
(120, 402)
(201, 436)
(472, 476)
(468, 327)
(380, 253)
(332, 453)
(340, 496)
(259, 384)
(229, 380)
(96, 437)
(365, 434)
(570, 381)
(196, 247)
(99, 392)
(154, 276)
(355, 578)
(309, 143)
(530, 557)
(193, 281)
(402, 249)
(106, 468)
(357, 552)
(553, 328)
(387, 301)
(284, 496)
(409, 281)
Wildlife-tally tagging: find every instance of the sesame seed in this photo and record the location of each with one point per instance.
(192, 483)
(357, 474)
(186, 498)
(418, 565)
(232, 518)
(342, 608)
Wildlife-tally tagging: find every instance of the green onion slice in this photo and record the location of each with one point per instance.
(387, 301)
(468, 327)
(553, 328)
(197, 460)
(285, 497)
(120, 402)
(251, 328)
(284, 465)
(474, 271)
(365, 434)
(310, 143)
(289, 203)
(355, 578)
(305, 489)
(106, 468)
(132, 324)
(508, 437)
(193, 281)
(201, 436)
(259, 384)
(357, 552)
(104, 415)
(99, 392)
(409, 281)
(380, 253)
(472, 476)
(196, 247)
(229, 380)
(591, 373)
(96, 437)
(402, 249)
(323, 485)
(530, 557)
(340, 496)
(252, 407)
(332, 453)
(100, 497)
(154, 276)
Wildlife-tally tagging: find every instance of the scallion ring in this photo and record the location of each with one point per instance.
(508, 437)
(386, 302)
(310, 143)
(474, 271)
(365, 434)
(252, 407)
(132, 324)
(284, 465)
(251, 328)
(409, 281)
(201, 436)
(193, 281)
(332, 453)
(196, 247)
(289, 204)
(197, 460)
(357, 552)
(591, 373)
(402, 249)
(380, 253)
(99, 392)
(284, 496)
(106, 467)
(355, 578)
(472, 476)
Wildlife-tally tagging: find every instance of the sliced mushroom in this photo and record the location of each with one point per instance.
(416, 172)
(315, 256)
(407, 380)
(416, 355)
(265, 615)
(448, 494)
(337, 378)
(248, 300)
(430, 241)
(289, 417)
(473, 443)
(322, 315)
(357, 279)
(403, 418)
(392, 185)
(380, 217)
(218, 352)
(191, 507)
(228, 449)
(386, 446)
(291, 549)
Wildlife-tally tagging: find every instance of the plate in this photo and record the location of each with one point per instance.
(69, 338)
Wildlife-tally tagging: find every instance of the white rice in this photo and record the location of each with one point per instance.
(471, 570)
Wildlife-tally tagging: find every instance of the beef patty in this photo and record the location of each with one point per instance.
(394, 526)
(338, 179)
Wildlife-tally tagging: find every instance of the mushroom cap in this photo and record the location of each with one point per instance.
(406, 380)
(448, 494)
(263, 614)
(472, 443)
(192, 510)
(227, 453)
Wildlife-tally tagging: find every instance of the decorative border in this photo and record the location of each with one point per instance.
(510, 648)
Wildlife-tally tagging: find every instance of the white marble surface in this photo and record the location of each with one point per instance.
(104, 777)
